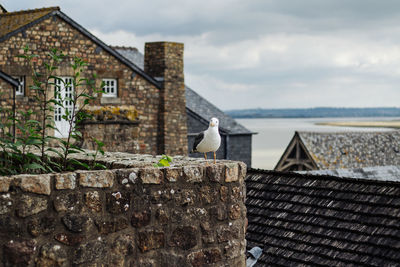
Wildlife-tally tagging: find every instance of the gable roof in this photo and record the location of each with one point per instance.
(195, 104)
(9, 79)
(322, 220)
(14, 22)
(384, 173)
(346, 150)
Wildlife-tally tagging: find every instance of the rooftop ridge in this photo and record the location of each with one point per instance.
(254, 171)
(54, 8)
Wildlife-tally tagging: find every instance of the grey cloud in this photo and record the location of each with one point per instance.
(320, 50)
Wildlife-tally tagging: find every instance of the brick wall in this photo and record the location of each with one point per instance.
(189, 214)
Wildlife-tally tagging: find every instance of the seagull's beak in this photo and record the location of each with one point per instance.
(212, 124)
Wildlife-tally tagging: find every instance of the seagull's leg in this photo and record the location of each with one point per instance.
(214, 157)
(205, 157)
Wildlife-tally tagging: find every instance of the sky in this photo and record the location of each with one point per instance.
(261, 53)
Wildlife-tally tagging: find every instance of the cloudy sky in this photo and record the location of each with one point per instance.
(262, 53)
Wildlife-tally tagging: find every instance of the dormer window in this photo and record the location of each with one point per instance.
(110, 88)
(20, 91)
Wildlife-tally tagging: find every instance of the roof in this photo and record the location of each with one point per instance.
(322, 220)
(9, 79)
(352, 149)
(384, 173)
(206, 110)
(15, 22)
(195, 103)
(131, 53)
(2, 9)
(12, 21)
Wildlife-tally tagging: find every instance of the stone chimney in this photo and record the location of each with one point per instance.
(164, 62)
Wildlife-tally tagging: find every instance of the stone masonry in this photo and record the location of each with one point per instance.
(164, 61)
(133, 214)
(158, 130)
(5, 95)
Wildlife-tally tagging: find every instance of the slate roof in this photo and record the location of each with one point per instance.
(206, 110)
(322, 220)
(384, 173)
(9, 79)
(131, 53)
(352, 149)
(194, 102)
(12, 23)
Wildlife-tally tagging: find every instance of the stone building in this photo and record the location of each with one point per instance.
(236, 139)
(151, 86)
(156, 94)
(346, 150)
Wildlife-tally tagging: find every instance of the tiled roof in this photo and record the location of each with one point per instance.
(384, 173)
(322, 220)
(352, 149)
(194, 102)
(12, 21)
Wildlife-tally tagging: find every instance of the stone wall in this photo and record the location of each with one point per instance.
(6, 94)
(189, 214)
(117, 127)
(164, 61)
(54, 32)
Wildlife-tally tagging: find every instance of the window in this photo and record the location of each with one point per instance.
(64, 92)
(110, 88)
(21, 88)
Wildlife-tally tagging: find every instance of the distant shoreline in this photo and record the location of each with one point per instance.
(322, 112)
(365, 124)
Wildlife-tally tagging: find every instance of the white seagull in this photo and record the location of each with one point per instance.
(209, 140)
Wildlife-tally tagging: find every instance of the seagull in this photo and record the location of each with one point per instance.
(208, 140)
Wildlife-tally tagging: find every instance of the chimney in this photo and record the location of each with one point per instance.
(164, 62)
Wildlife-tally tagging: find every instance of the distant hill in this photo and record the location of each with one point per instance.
(314, 112)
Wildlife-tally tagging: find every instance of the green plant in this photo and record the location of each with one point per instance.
(80, 95)
(18, 152)
(163, 162)
(99, 149)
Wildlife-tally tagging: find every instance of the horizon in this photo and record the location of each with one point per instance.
(318, 107)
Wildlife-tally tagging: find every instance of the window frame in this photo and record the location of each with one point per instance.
(109, 87)
(20, 90)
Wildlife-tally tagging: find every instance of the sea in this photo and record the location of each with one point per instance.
(274, 135)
